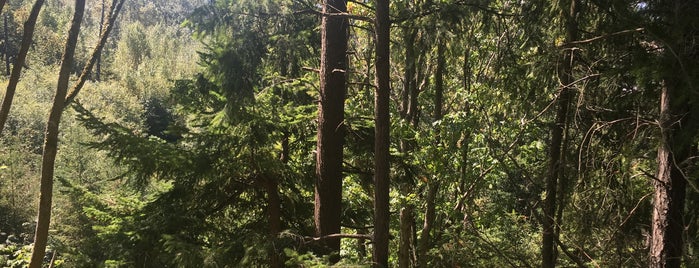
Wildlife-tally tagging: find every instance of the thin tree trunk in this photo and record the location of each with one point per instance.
(408, 109)
(114, 11)
(51, 140)
(274, 216)
(382, 135)
(19, 63)
(98, 68)
(407, 219)
(6, 47)
(331, 107)
(2, 5)
(433, 185)
(555, 167)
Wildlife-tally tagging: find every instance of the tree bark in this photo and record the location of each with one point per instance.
(555, 166)
(382, 135)
(679, 122)
(51, 139)
(333, 85)
(19, 63)
(668, 199)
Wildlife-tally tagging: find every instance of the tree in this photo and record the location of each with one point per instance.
(382, 142)
(331, 131)
(555, 174)
(19, 62)
(678, 129)
(51, 140)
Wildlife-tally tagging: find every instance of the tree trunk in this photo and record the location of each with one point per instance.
(19, 63)
(98, 68)
(382, 135)
(114, 11)
(331, 107)
(6, 47)
(668, 200)
(408, 114)
(407, 219)
(555, 167)
(51, 139)
(433, 185)
(679, 122)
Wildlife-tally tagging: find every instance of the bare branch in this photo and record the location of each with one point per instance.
(602, 37)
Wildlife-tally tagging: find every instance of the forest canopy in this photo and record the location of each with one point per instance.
(295, 133)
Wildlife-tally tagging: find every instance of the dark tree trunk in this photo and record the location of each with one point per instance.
(433, 185)
(19, 63)
(331, 107)
(382, 131)
(668, 200)
(51, 139)
(679, 123)
(408, 109)
(555, 166)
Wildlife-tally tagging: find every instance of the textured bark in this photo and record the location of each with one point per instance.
(679, 122)
(51, 139)
(19, 63)
(382, 135)
(555, 165)
(331, 107)
(668, 199)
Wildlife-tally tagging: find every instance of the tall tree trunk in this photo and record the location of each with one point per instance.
(19, 63)
(408, 114)
(331, 108)
(382, 135)
(555, 166)
(51, 139)
(668, 199)
(433, 185)
(679, 122)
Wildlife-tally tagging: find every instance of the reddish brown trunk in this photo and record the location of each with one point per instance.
(331, 107)
(382, 138)
(51, 140)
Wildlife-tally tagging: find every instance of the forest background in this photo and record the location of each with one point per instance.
(412, 133)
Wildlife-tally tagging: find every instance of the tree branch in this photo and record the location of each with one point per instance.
(113, 13)
(602, 37)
